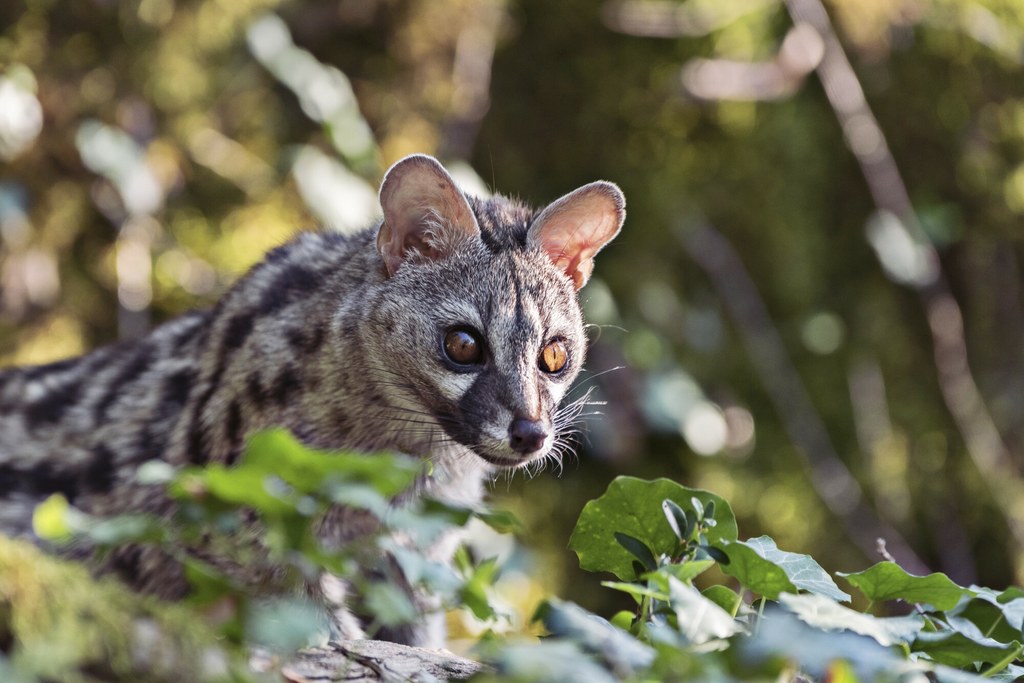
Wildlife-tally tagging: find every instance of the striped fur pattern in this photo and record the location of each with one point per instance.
(342, 340)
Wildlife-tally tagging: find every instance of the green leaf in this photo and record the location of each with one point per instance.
(208, 584)
(954, 648)
(714, 553)
(439, 577)
(685, 572)
(723, 596)
(125, 529)
(1011, 593)
(279, 453)
(754, 572)
(802, 570)
(389, 604)
(638, 591)
(283, 624)
(238, 486)
(995, 620)
(547, 662)
(699, 618)
(633, 506)
(595, 635)
(50, 519)
(361, 497)
(475, 592)
(825, 613)
(1012, 673)
(813, 650)
(676, 519)
(1010, 604)
(623, 619)
(889, 581)
(502, 521)
(638, 550)
(1013, 611)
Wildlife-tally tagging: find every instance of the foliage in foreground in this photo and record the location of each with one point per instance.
(657, 536)
(772, 614)
(59, 624)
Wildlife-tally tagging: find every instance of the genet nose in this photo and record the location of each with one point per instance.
(526, 436)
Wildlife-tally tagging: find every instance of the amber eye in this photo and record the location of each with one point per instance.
(553, 357)
(463, 347)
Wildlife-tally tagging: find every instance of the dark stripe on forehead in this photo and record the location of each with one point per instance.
(527, 305)
(503, 222)
(520, 321)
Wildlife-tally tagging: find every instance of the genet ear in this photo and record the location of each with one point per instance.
(425, 214)
(574, 228)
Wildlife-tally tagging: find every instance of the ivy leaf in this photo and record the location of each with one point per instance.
(360, 497)
(946, 674)
(754, 572)
(889, 581)
(389, 604)
(955, 648)
(700, 619)
(827, 614)
(802, 570)
(1000, 621)
(1011, 593)
(638, 591)
(595, 635)
(813, 651)
(441, 578)
(502, 521)
(622, 619)
(283, 624)
(724, 597)
(633, 507)
(243, 487)
(550, 660)
(474, 593)
(685, 572)
(1013, 672)
(277, 452)
(1010, 603)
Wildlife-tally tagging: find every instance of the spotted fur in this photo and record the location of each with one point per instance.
(337, 338)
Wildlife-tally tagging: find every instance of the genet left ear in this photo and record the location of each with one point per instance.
(426, 216)
(574, 228)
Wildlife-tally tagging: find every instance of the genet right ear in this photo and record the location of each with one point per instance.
(426, 216)
(572, 229)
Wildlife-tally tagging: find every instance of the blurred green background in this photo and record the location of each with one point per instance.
(815, 306)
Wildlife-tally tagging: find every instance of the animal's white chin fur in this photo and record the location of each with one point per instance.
(508, 461)
(497, 452)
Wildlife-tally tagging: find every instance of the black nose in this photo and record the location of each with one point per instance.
(526, 436)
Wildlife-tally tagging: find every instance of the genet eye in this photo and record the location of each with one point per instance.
(553, 357)
(463, 347)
